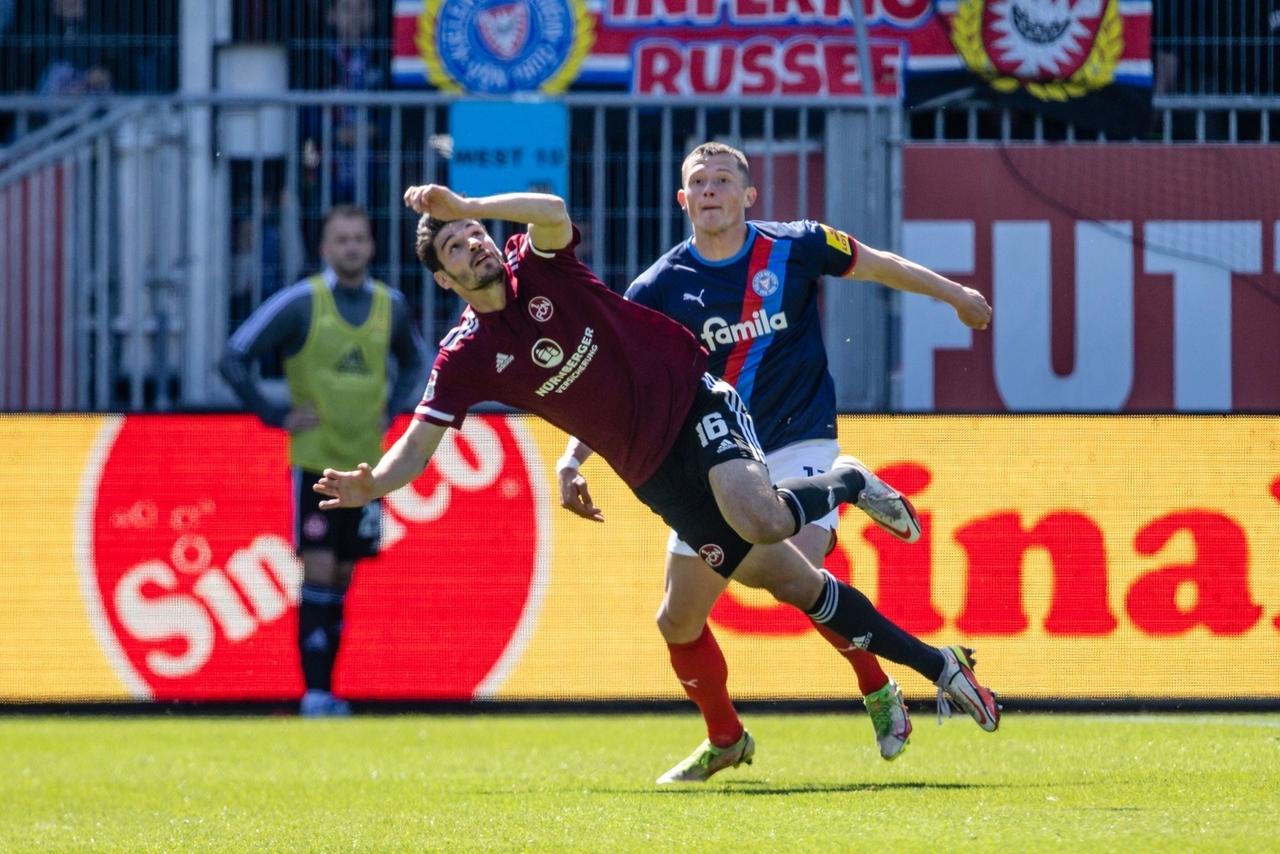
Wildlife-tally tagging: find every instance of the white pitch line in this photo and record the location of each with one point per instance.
(1224, 719)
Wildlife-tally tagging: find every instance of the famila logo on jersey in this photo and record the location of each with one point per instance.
(717, 331)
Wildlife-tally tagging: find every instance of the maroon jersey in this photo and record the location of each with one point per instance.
(618, 376)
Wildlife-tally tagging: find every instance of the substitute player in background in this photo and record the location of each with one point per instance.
(749, 290)
(543, 334)
(335, 330)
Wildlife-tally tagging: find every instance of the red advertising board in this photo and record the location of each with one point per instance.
(1123, 278)
(157, 564)
(188, 563)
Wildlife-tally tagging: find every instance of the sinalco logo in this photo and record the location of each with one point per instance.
(1054, 49)
(499, 47)
(191, 583)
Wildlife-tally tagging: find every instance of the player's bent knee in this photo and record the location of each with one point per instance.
(757, 528)
(797, 590)
(677, 631)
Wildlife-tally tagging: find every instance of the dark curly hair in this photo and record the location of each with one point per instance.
(425, 244)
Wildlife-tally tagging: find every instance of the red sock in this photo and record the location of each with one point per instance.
(871, 677)
(701, 669)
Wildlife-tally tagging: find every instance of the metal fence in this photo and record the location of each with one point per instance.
(1195, 119)
(139, 231)
(176, 217)
(74, 48)
(1219, 47)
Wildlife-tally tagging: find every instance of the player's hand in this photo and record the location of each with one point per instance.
(346, 488)
(973, 309)
(301, 418)
(436, 200)
(575, 496)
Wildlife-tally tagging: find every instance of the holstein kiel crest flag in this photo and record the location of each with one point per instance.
(1087, 62)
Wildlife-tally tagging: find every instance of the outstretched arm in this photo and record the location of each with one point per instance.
(574, 495)
(549, 225)
(903, 275)
(402, 463)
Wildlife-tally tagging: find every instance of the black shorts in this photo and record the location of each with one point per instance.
(718, 429)
(350, 533)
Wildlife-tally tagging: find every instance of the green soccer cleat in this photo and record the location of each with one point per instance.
(889, 717)
(709, 759)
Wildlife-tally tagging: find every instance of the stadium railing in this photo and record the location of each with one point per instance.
(141, 230)
(140, 238)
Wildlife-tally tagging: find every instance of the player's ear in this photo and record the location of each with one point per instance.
(682, 200)
(443, 280)
(749, 197)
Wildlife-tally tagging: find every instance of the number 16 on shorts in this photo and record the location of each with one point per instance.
(712, 427)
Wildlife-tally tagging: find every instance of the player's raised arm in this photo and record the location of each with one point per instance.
(404, 461)
(549, 225)
(903, 275)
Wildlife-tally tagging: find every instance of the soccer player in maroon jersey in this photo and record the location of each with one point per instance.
(749, 289)
(542, 333)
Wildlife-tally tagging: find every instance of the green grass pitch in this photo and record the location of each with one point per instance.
(1130, 783)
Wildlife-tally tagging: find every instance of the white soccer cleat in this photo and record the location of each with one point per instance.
(889, 718)
(885, 505)
(958, 683)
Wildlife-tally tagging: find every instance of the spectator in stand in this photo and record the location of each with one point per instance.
(68, 51)
(352, 54)
(88, 47)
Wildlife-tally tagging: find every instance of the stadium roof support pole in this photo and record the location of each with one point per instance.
(197, 21)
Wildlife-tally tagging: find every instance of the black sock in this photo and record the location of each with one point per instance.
(852, 616)
(333, 623)
(811, 498)
(315, 637)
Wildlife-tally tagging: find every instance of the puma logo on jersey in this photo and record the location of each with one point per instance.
(717, 331)
(697, 299)
(352, 362)
(504, 359)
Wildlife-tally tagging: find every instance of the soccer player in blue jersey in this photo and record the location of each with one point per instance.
(748, 290)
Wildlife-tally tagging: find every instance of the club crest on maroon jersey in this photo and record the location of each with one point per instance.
(541, 309)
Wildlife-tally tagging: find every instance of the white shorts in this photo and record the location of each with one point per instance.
(800, 459)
